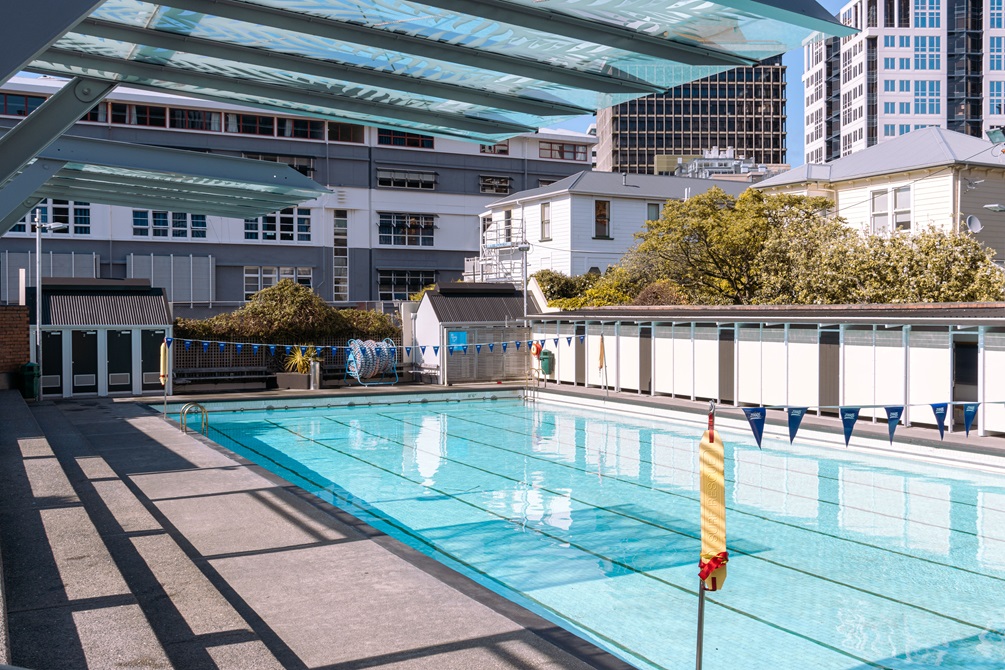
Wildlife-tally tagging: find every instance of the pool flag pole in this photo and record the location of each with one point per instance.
(164, 373)
(712, 564)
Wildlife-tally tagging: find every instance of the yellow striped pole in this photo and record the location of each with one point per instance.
(712, 564)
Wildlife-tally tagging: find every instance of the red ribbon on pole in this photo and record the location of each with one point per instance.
(706, 568)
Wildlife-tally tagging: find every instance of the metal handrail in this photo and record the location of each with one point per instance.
(203, 413)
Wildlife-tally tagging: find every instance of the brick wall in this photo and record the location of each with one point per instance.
(15, 347)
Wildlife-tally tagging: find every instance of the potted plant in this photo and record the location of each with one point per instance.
(298, 366)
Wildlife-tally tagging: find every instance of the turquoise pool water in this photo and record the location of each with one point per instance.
(838, 559)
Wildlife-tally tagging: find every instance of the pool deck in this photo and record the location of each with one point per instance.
(126, 543)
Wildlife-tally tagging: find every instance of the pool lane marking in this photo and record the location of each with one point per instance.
(797, 456)
(765, 488)
(674, 531)
(664, 528)
(563, 540)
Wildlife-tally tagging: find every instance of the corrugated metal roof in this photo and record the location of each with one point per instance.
(119, 308)
(968, 314)
(477, 309)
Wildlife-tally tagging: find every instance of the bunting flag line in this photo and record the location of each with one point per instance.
(334, 351)
(849, 415)
(581, 338)
(188, 344)
(223, 345)
(408, 351)
(238, 347)
(893, 415)
(478, 348)
(450, 348)
(422, 349)
(969, 412)
(288, 349)
(555, 341)
(504, 346)
(303, 351)
(205, 347)
(169, 340)
(464, 348)
(795, 418)
(254, 349)
(940, 416)
(755, 417)
(272, 349)
(436, 351)
(568, 340)
(517, 343)
(492, 345)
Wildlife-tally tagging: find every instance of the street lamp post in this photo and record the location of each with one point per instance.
(38, 293)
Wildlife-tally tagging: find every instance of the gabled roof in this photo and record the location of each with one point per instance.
(924, 148)
(477, 302)
(97, 302)
(616, 184)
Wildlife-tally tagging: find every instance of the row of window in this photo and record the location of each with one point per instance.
(885, 218)
(292, 224)
(74, 214)
(148, 223)
(893, 129)
(258, 278)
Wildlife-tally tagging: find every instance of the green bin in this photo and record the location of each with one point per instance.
(31, 377)
(547, 361)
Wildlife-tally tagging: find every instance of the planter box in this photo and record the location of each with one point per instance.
(293, 380)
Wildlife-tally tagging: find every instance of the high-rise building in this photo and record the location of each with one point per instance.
(743, 108)
(914, 63)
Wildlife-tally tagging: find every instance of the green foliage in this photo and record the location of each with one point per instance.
(557, 285)
(661, 293)
(417, 296)
(288, 312)
(300, 360)
(617, 286)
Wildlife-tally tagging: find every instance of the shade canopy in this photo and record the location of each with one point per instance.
(478, 69)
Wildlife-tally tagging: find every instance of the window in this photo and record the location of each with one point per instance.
(654, 211)
(902, 208)
(995, 98)
(291, 224)
(889, 63)
(889, 85)
(545, 182)
(160, 227)
(501, 149)
(602, 219)
(889, 107)
(926, 52)
(995, 13)
(398, 138)
(508, 225)
(545, 221)
(302, 164)
(889, 40)
(15, 104)
(251, 124)
(400, 284)
(905, 63)
(345, 132)
(880, 212)
(563, 151)
(39, 214)
(340, 264)
(905, 41)
(76, 215)
(889, 130)
(905, 86)
(425, 181)
(258, 278)
(401, 229)
(904, 128)
(489, 184)
(305, 129)
(926, 97)
(98, 113)
(195, 119)
(995, 55)
(139, 115)
(905, 108)
(180, 224)
(926, 13)
(198, 223)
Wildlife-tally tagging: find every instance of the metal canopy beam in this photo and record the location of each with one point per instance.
(144, 71)
(548, 21)
(418, 46)
(320, 68)
(19, 195)
(29, 28)
(154, 199)
(40, 128)
(92, 180)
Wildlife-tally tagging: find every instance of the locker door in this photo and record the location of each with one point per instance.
(150, 347)
(84, 361)
(120, 361)
(52, 362)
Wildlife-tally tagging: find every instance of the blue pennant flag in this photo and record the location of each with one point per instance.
(254, 349)
(529, 343)
(450, 348)
(272, 349)
(849, 415)
(755, 417)
(238, 346)
(436, 351)
(169, 340)
(408, 351)
(568, 340)
(288, 349)
(423, 349)
(478, 348)
(334, 351)
(492, 345)
(581, 338)
(796, 415)
(205, 346)
(464, 348)
(940, 416)
(541, 342)
(517, 343)
(303, 351)
(223, 345)
(556, 342)
(969, 412)
(188, 344)
(893, 415)
(504, 346)
(392, 352)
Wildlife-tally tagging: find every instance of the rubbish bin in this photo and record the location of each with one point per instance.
(547, 361)
(31, 377)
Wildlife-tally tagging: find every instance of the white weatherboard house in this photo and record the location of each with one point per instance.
(584, 222)
(928, 178)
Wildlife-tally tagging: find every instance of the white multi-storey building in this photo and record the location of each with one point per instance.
(914, 63)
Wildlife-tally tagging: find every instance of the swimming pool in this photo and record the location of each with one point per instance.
(838, 559)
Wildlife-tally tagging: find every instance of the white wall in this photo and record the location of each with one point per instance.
(628, 356)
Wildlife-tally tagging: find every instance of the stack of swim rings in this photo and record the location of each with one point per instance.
(368, 359)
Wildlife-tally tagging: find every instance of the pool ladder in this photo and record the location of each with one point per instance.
(203, 416)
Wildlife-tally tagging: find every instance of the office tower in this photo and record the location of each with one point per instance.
(743, 108)
(915, 63)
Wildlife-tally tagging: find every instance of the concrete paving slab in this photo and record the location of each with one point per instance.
(83, 561)
(49, 486)
(95, 467)
(229, 479)
(128, 512)
(44, 639)
(34, 447)
(250, 521)
(118, 637)
(244, 656)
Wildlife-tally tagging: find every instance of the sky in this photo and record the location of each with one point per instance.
(794, 93)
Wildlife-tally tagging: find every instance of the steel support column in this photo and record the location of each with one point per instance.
(18, 197)
(29, 28)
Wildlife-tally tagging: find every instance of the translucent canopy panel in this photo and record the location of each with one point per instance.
(478, 69)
